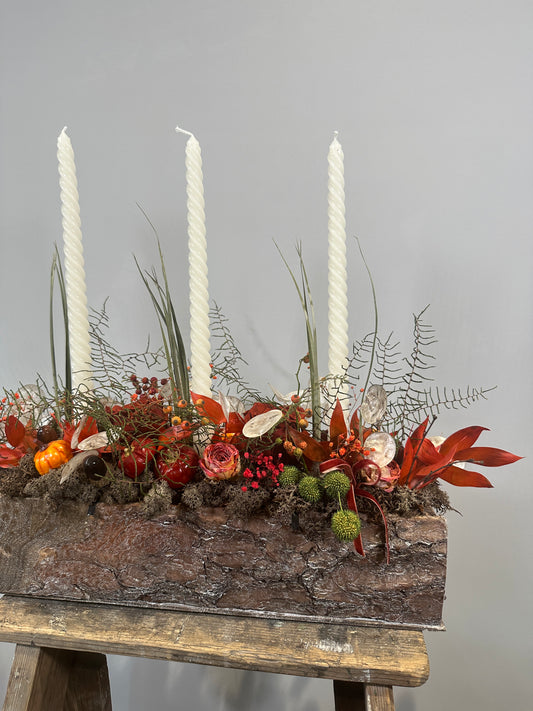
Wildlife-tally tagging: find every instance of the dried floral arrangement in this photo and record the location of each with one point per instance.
(321, 453)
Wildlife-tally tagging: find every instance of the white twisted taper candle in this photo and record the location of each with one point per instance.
(337, 277)
(198, 291)
(78, 317)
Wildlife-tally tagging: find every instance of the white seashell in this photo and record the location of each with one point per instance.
(261, 424)
(382, 448)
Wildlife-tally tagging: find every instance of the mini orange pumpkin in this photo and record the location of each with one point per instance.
(57, 453)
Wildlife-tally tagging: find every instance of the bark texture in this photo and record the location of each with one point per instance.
(201, 560)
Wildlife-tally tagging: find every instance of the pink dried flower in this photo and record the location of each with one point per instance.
(220, 461)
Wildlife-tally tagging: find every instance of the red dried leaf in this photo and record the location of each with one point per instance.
(313, 450)
(354, 422)
(486, 456)
(358, 542)
(332, 464)
(462, 477)
(10, 457)
(368, 495)
(15, 431)
(207, 407)
(411, 446)
(427, 453)
(337, 425)
(235, 423)
(461, 439)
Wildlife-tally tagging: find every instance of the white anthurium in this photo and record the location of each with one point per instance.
(231, 403)
(261, 424)
(29, 405)
(381, 448)
(286, 399)
(436, 440)
(283, 399)
(166, 391)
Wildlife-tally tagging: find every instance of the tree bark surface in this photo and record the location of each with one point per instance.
(205, 561)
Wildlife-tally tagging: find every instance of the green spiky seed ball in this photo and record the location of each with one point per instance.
(310, 489)
(346, 525)
(290, 475)
(336, 484)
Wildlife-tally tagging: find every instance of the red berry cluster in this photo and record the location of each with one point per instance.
(147, 386)
(261, 468)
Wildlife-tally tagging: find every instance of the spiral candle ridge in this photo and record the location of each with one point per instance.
(198, 283)
(337, 274)
(78, 317)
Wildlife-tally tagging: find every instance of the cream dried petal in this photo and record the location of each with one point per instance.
(95, 441)
(261, 424)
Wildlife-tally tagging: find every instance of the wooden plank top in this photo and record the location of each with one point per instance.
(369, 654)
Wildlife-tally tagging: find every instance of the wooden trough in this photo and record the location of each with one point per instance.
(204, 561)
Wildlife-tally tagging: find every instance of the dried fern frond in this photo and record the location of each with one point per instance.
(111, 369)
(227, 358)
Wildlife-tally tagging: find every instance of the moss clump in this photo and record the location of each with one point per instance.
(13, 481)
(243, 504)
(192, 497)
(336, 484)
(290, 476)
(346, 525)
(158, 500)
(310, 489)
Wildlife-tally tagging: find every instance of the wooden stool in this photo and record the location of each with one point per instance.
(60, 662)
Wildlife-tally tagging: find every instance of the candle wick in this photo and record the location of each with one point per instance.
(335, 134)
(181, 130)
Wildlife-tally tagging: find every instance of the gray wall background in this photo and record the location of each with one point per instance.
(434, 106)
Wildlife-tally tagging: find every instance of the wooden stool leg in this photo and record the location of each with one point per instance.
(38, 679)
(355, 696)
(45, 679)
(88, 685)
(379, 698)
